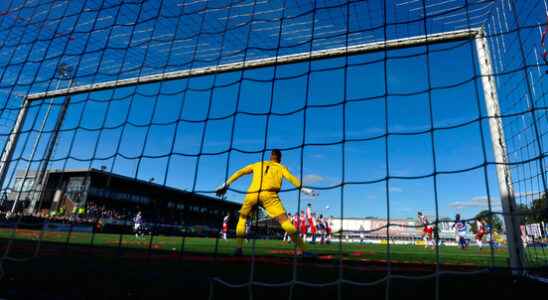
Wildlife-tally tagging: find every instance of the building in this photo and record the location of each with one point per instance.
(93, 192)
(23, 192)
(353, 228)
(375, 227)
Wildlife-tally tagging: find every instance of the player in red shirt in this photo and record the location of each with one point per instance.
(295, 220)
(480, 232)
(224, 230)
(427, 229)
(302, 225)
(311, 218)
(314, 228)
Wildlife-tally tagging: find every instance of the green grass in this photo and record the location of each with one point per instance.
(207, 246)
(93, 264)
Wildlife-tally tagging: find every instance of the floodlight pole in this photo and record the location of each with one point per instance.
(513, 236)
(65, 72)
(11, 144)
(7, 155)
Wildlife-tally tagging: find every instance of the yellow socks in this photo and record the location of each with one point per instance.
(240, 231)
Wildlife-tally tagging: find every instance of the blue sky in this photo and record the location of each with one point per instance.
(180, 132)
(322, 166)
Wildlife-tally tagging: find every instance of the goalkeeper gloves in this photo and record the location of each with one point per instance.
(221, 190)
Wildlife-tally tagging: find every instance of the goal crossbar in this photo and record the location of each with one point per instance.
(414, 41)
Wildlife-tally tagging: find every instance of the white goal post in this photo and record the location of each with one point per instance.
(487, 78)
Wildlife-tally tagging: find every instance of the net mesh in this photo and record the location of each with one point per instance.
(108, 105)
(526, 126)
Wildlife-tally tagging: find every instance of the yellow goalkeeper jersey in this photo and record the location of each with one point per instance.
(267, 176)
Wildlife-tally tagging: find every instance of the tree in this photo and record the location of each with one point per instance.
(490, 218)
(539, 211)
(523, 213)
(535, 213)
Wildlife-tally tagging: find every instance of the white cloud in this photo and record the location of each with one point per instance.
(395, 189)
(532, 194)
(481, 201)
(476, 202)
(312, 178)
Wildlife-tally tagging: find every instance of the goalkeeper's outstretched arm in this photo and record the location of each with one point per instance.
(297, 183)
(241, 172)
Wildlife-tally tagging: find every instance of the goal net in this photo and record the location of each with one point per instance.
(421, 123)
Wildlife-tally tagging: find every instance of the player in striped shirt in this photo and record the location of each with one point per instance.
(460, 228)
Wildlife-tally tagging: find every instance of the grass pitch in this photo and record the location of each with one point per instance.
(413, 254)
(63, 265)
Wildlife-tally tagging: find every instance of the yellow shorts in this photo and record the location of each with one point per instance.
(268, 200)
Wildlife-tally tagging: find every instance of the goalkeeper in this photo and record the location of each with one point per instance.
(263, 190)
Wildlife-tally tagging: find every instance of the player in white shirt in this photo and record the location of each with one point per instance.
(328, 230)
(287, 237)
(249, 224)
(138, 225)
(321, 228)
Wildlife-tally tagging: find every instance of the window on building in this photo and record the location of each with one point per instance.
(19, 186)
(75, 184)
